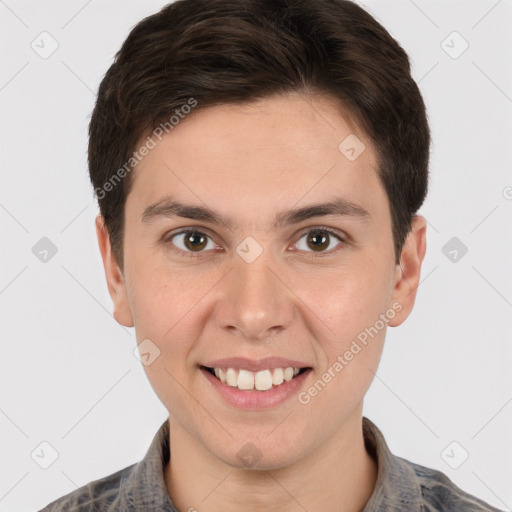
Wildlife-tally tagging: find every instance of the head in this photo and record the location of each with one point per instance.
(222, 115)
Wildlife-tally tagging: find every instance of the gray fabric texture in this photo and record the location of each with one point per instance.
(401, 486)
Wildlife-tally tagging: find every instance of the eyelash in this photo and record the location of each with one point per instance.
(190, 254)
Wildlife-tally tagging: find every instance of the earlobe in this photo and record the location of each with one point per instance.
(407, 274)
(114, 276)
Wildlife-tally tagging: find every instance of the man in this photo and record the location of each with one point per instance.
(259, 165)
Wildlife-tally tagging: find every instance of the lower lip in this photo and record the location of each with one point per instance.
(254, 399)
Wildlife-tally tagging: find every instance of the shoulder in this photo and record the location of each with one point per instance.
(100, 495)
(439, 493)
(403, 485)
(140, 486)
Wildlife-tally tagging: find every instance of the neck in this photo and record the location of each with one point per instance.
(340, 471)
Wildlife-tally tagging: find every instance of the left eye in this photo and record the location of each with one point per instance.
(318, 240)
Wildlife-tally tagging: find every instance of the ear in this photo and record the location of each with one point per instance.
(113, 274)
(407, 274)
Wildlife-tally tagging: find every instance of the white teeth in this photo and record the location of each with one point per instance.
(245, 379)
(261, 381)
(288, 373)
(277, 378)
(231, 377)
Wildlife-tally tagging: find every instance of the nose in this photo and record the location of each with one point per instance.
(255, 302)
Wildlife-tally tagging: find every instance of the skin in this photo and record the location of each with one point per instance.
(248, 163)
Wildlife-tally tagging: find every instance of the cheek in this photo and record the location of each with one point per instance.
(359, 310)
(164, 299)
(165, 306)
(351, 300)
(341, 384)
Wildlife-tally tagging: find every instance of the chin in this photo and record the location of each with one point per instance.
(260, 454)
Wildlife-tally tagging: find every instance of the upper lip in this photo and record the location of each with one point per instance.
(255, 365)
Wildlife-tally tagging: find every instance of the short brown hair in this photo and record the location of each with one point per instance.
(235, 51)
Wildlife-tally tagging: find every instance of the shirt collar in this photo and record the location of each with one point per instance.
(144, 488)
(396, 487)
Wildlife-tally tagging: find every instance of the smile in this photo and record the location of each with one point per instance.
(262, 380)
(255, 384)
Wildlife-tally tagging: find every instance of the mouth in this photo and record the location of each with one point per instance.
(255, 381)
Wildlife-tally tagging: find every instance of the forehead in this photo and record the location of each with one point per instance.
(276, 151)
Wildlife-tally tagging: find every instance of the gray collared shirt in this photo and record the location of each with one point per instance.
(401, 486)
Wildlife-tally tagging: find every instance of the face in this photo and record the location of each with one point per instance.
(228, 265)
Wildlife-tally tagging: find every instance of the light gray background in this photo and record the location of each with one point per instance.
(68, 373)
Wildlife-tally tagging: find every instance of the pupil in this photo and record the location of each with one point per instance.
(323, 240)
(189, 241)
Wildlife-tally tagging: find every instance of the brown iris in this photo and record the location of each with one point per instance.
(318, 240)
(194, 240)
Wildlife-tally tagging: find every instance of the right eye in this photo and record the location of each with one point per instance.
(190, 241)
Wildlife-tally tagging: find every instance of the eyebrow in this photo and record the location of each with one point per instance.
(169, 208)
